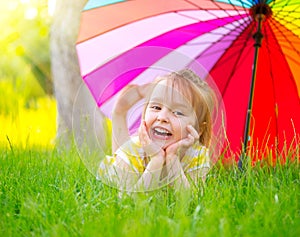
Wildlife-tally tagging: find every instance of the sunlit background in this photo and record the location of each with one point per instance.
(27, 106)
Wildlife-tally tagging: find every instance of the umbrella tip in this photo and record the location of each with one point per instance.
(260, 10)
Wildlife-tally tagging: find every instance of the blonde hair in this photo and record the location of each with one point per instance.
(200, 95)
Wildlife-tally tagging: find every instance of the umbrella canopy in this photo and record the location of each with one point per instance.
(123, 42)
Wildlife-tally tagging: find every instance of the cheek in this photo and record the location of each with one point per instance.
(148, 118)
(180, 127)
(184, 131)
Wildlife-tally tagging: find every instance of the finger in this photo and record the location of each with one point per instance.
(193, 132)
(142, 90)
(141, 131)
(132, 92)
(188, 141)
(127, 89)
(149, 147)
(126, 99)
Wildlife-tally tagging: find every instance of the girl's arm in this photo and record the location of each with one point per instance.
(174, 153)
(150, 178)
(120, 132)
(130, 95)
(181, 179)
(176, 174)
(130, 180)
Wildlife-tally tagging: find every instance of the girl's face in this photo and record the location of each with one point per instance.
(167, 115)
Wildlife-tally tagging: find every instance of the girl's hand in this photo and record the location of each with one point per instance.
(129, 96)
(148, 145)
(179, 148)
(175, 152)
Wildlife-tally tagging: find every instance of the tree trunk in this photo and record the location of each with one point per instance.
(78, 115)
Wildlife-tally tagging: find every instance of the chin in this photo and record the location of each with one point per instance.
(162, 143)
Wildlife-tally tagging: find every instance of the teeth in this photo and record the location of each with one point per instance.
(161, 131)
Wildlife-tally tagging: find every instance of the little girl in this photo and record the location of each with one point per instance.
(172, 145)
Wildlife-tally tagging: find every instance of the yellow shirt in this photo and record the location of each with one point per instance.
(196, 157)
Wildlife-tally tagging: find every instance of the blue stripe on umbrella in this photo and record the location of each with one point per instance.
(245, 4)
(96, 3)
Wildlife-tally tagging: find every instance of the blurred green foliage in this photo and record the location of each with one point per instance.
(24, 46)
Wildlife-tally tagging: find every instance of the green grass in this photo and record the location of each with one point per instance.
(51, 193)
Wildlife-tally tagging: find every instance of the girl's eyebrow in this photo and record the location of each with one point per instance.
(159, 100)
(156, 100)
(181, 105)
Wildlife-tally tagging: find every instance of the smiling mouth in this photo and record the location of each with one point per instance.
(161, 132)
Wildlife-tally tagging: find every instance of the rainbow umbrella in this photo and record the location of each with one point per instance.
(248, 50)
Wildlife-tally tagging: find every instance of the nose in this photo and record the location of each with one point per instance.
(163, 115)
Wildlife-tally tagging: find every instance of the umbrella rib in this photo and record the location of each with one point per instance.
(237, 45)
(213, 43)
(285, 3)
(285, 39)
(219, 50)
(245, 6)
(238, 60)
(237, 30)
(236, 33)
(280, 11)
(291, 46)
(233, 32)
(217, 5)
(235, 65)
(234, 6)
(273, 88)
(282, 37)
(290, 76)
(283, 14)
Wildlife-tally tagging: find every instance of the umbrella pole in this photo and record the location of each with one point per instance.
(258, 39)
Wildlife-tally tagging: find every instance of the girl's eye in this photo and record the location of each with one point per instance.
(178, 113)
(155, 107)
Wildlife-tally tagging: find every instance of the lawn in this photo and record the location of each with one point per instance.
(51, 193)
